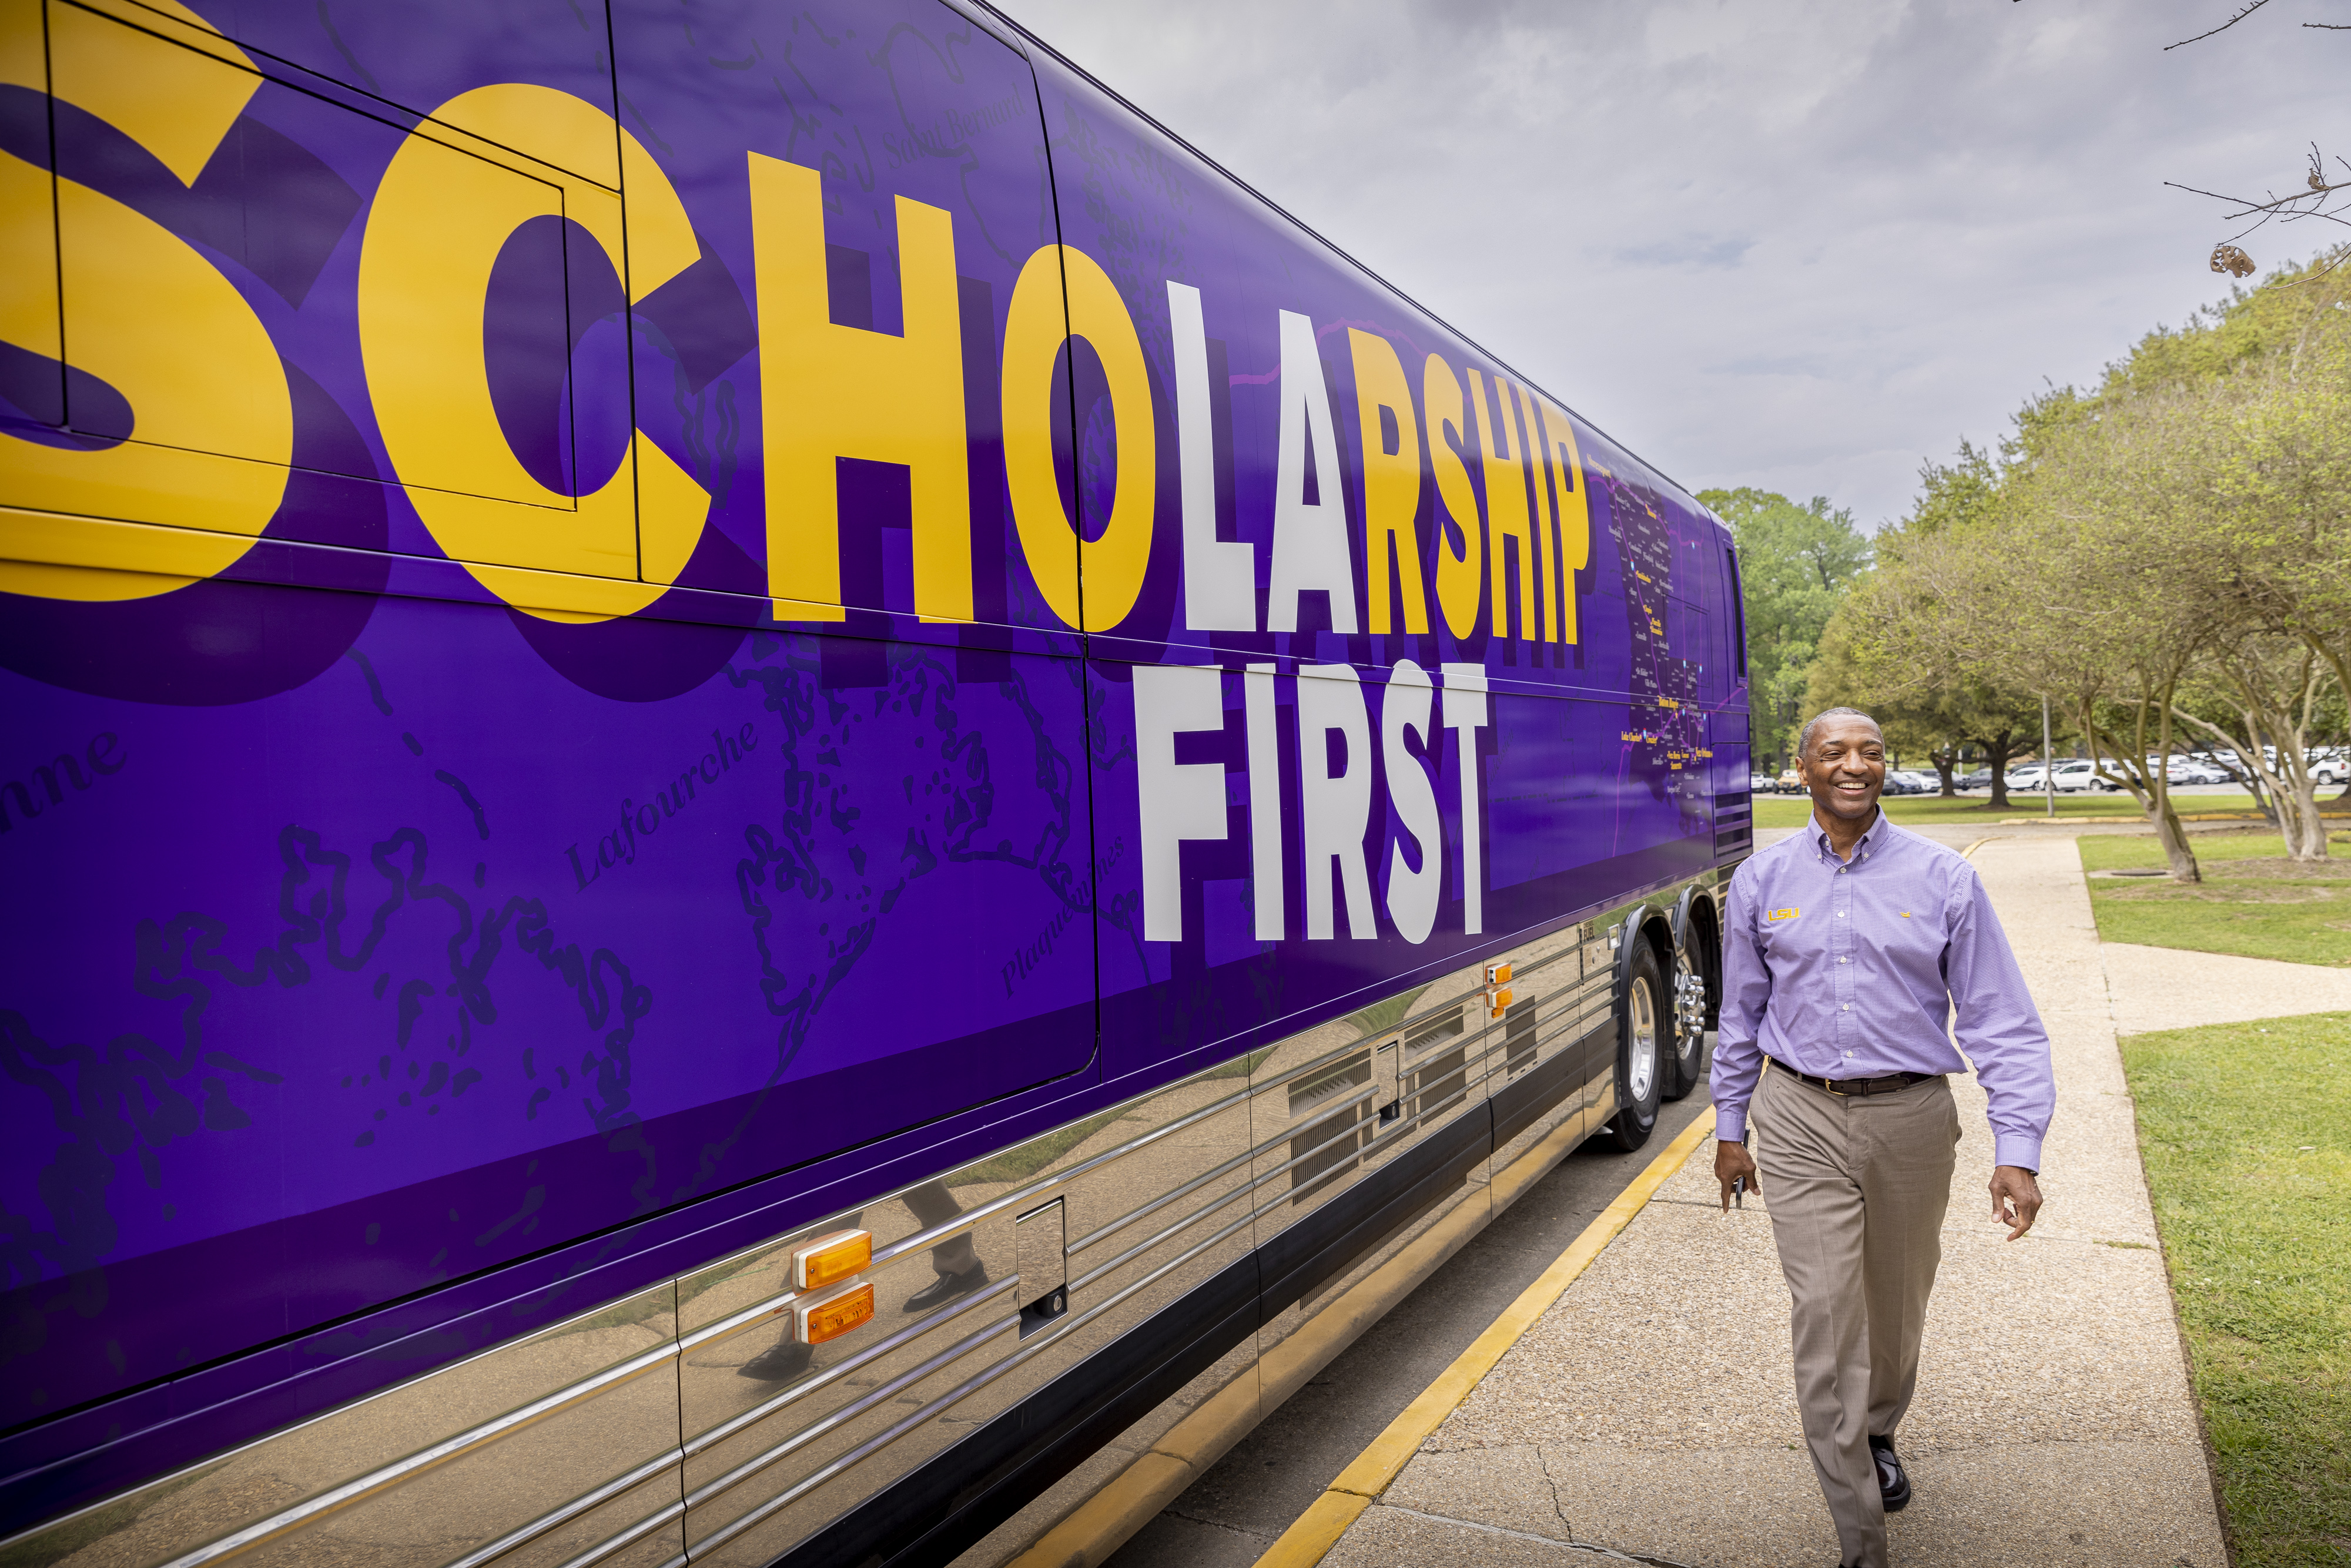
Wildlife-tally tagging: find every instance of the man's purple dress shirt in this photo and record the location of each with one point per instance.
(1850, 970)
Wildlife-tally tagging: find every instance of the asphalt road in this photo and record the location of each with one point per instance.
(1229, 1516)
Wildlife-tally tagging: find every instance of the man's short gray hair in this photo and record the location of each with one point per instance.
(1805, 737)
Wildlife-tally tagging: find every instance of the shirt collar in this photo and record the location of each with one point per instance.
(1871, 838)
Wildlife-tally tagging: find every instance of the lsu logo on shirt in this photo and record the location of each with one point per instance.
(1774, 916)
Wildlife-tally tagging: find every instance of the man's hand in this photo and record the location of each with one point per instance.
(1732, 1161)
(2015, 1197)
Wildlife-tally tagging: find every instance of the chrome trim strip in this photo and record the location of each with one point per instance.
(1457, 1103)
(1531, 964)
(1323, 1062)
(695, 1445)
(1131, 1216)
(972, 1216)
(1178, 1228)
(734, 1323)
(572, 1509)
(1322, 1110)
(423, 1459)
(628, 1537)
(700, 1497)
(1351, 1130)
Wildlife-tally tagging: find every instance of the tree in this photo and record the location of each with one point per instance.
(2168, 557)
(1879, 651)
(2233, 437)
(1871, 660)
(1795, 563)
(2109, 627)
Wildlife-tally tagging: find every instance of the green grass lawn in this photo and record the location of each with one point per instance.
(2251, 902)
(2246, 1131)
(1788, 810)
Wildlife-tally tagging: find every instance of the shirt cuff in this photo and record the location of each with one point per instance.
(1731, 1127)
(2020, 1149)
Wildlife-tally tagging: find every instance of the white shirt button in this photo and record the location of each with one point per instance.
(1845, 961)
(1848, 1056)
(1848, 1006)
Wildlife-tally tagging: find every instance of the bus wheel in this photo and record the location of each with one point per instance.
(1644, 1040)
(1685, 1064)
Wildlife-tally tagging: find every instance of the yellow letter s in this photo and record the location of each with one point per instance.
(143, 312)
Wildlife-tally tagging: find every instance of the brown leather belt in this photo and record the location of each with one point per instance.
(1887, 1084)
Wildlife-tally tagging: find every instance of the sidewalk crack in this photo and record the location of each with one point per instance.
(1552, 1481)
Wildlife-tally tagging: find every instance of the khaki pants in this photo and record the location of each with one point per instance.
(1857, 1186)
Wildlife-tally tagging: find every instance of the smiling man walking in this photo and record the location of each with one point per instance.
(1847, 947)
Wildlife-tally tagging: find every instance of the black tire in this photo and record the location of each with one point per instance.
(1644, 1029)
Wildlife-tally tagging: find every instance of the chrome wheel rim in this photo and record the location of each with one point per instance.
(1641, 1055)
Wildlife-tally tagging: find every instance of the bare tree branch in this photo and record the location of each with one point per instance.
(2223, 27)
(2248, 206)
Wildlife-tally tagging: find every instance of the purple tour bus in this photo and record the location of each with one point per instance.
(767, 780)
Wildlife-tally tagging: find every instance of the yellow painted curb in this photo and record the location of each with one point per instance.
(1318, 1529)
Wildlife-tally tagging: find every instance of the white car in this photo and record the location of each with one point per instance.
(2025, 781)
(2077, 775)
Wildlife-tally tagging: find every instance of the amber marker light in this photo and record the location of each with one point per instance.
(1498, 973)
(830, 1317)
(1499, 1003)
(831, 1258)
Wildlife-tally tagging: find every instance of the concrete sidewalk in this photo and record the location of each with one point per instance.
(1651, 1412)
(2170, 987)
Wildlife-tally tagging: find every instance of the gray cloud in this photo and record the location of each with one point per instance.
(1804, 246)
(1692, 252)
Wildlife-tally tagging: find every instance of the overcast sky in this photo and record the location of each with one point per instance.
(1801, 247)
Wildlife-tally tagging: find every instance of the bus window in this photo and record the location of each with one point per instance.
(1738, 595)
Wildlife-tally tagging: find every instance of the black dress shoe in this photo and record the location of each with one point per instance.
(779, 1363)
(947, 1288)
(1893, 1480)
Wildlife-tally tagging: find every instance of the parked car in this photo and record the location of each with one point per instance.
(1979, 779)
(2025, 779)
(1927, 783)
(1790, 784)
(2330, 766)
(2073, 778)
